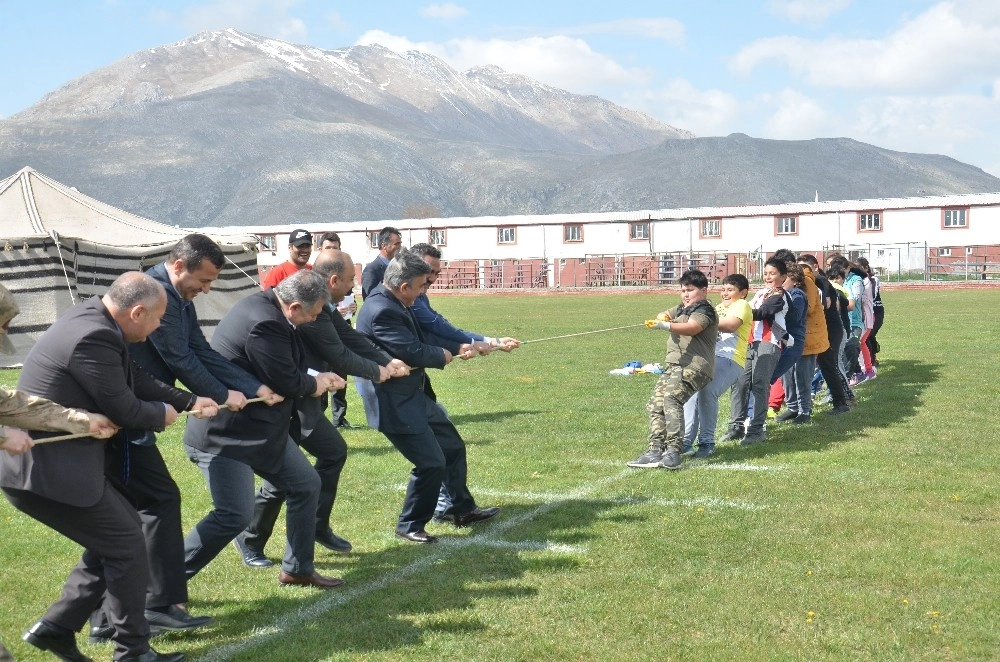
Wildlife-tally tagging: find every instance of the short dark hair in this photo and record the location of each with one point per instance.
(385, 235)
(836, 271)
(796, 275)
(694, 277)
(809, 259)
(329, 236)
(778, 264)
(424, 250)
(194, 248)
(784, 254)
(739, 281)
(840, 261)
(403, 268)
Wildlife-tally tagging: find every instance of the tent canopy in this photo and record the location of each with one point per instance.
(58, 247)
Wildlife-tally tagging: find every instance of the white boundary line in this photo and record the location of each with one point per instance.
(339, 598)
(445, 546)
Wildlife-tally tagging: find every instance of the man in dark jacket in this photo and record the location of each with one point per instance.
(259, 335)
(408, 411)
(330, 345)
(83, 362)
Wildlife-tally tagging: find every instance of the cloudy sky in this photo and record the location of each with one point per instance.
(910, 75)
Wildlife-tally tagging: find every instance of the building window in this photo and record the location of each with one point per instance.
(711, 227)
(944, 252)
(572, 233)
(373, 240)
(870, 222)
(267, 242)
(436, 237)
(968, 250)
(638, 231)
(955, 218)
(786, 225)
(506, 235)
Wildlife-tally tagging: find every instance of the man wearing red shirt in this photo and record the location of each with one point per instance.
(299, 251)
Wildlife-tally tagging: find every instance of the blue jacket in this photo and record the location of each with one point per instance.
(178, 351)
(384, 319)
(433, 322)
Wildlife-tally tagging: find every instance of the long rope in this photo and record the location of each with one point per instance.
(583, 333)
(66, 437)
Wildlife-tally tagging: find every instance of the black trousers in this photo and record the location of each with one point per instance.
(439, 460)
(113, 562)
(156, 496)
(330, 450)
(829, 366)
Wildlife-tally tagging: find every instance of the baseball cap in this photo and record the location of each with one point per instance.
(300, 238)
(8, 311)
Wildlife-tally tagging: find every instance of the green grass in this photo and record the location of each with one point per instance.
(866, 536)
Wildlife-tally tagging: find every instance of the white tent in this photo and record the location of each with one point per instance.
(58, 247)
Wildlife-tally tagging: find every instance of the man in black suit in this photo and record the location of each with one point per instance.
(259, 335)
(176, 351)
(331, 344)
(82, 362)
(408, 411)
(389, 243)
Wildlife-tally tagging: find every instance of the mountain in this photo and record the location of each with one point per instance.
(228, 128)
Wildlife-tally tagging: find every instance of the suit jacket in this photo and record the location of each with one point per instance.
(392, 327)
(178, 351)
(257, 337)
(82, 362)
(433, 322)
(371, 276)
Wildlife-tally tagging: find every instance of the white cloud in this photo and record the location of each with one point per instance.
(272, 18)
(559, 61)
(795, 116)
(665, 29)
(811, 12)
(445, 11)
(681, 105)
(947, 45)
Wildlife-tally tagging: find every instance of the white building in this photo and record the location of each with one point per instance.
(897, 235)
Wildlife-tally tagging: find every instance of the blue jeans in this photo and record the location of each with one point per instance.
(701, 412)
(231, 484)
(370, 401)
(798, 392)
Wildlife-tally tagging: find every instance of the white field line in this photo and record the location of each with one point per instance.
(535, 546)
(558, 496)
(337, 598)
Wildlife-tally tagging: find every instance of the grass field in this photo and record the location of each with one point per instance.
(872, 535)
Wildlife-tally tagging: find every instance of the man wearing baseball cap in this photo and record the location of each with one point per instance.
(300, 244)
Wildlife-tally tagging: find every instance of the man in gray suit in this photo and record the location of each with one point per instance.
(82, 362)
(259, 335)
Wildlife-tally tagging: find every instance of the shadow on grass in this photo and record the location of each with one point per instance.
(883, 403)
(404, 595)
(492, 416)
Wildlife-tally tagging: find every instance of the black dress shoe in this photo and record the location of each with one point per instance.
(58, 641)
(153, 656)
(101, 634)
(251, 558)
(421, 537)
(174, 620)
(477, 515)
(333, 542)
(345, 425)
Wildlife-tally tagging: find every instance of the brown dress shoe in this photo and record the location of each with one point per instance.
(315, 579)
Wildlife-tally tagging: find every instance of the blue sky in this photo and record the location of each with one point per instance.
(910, 75)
